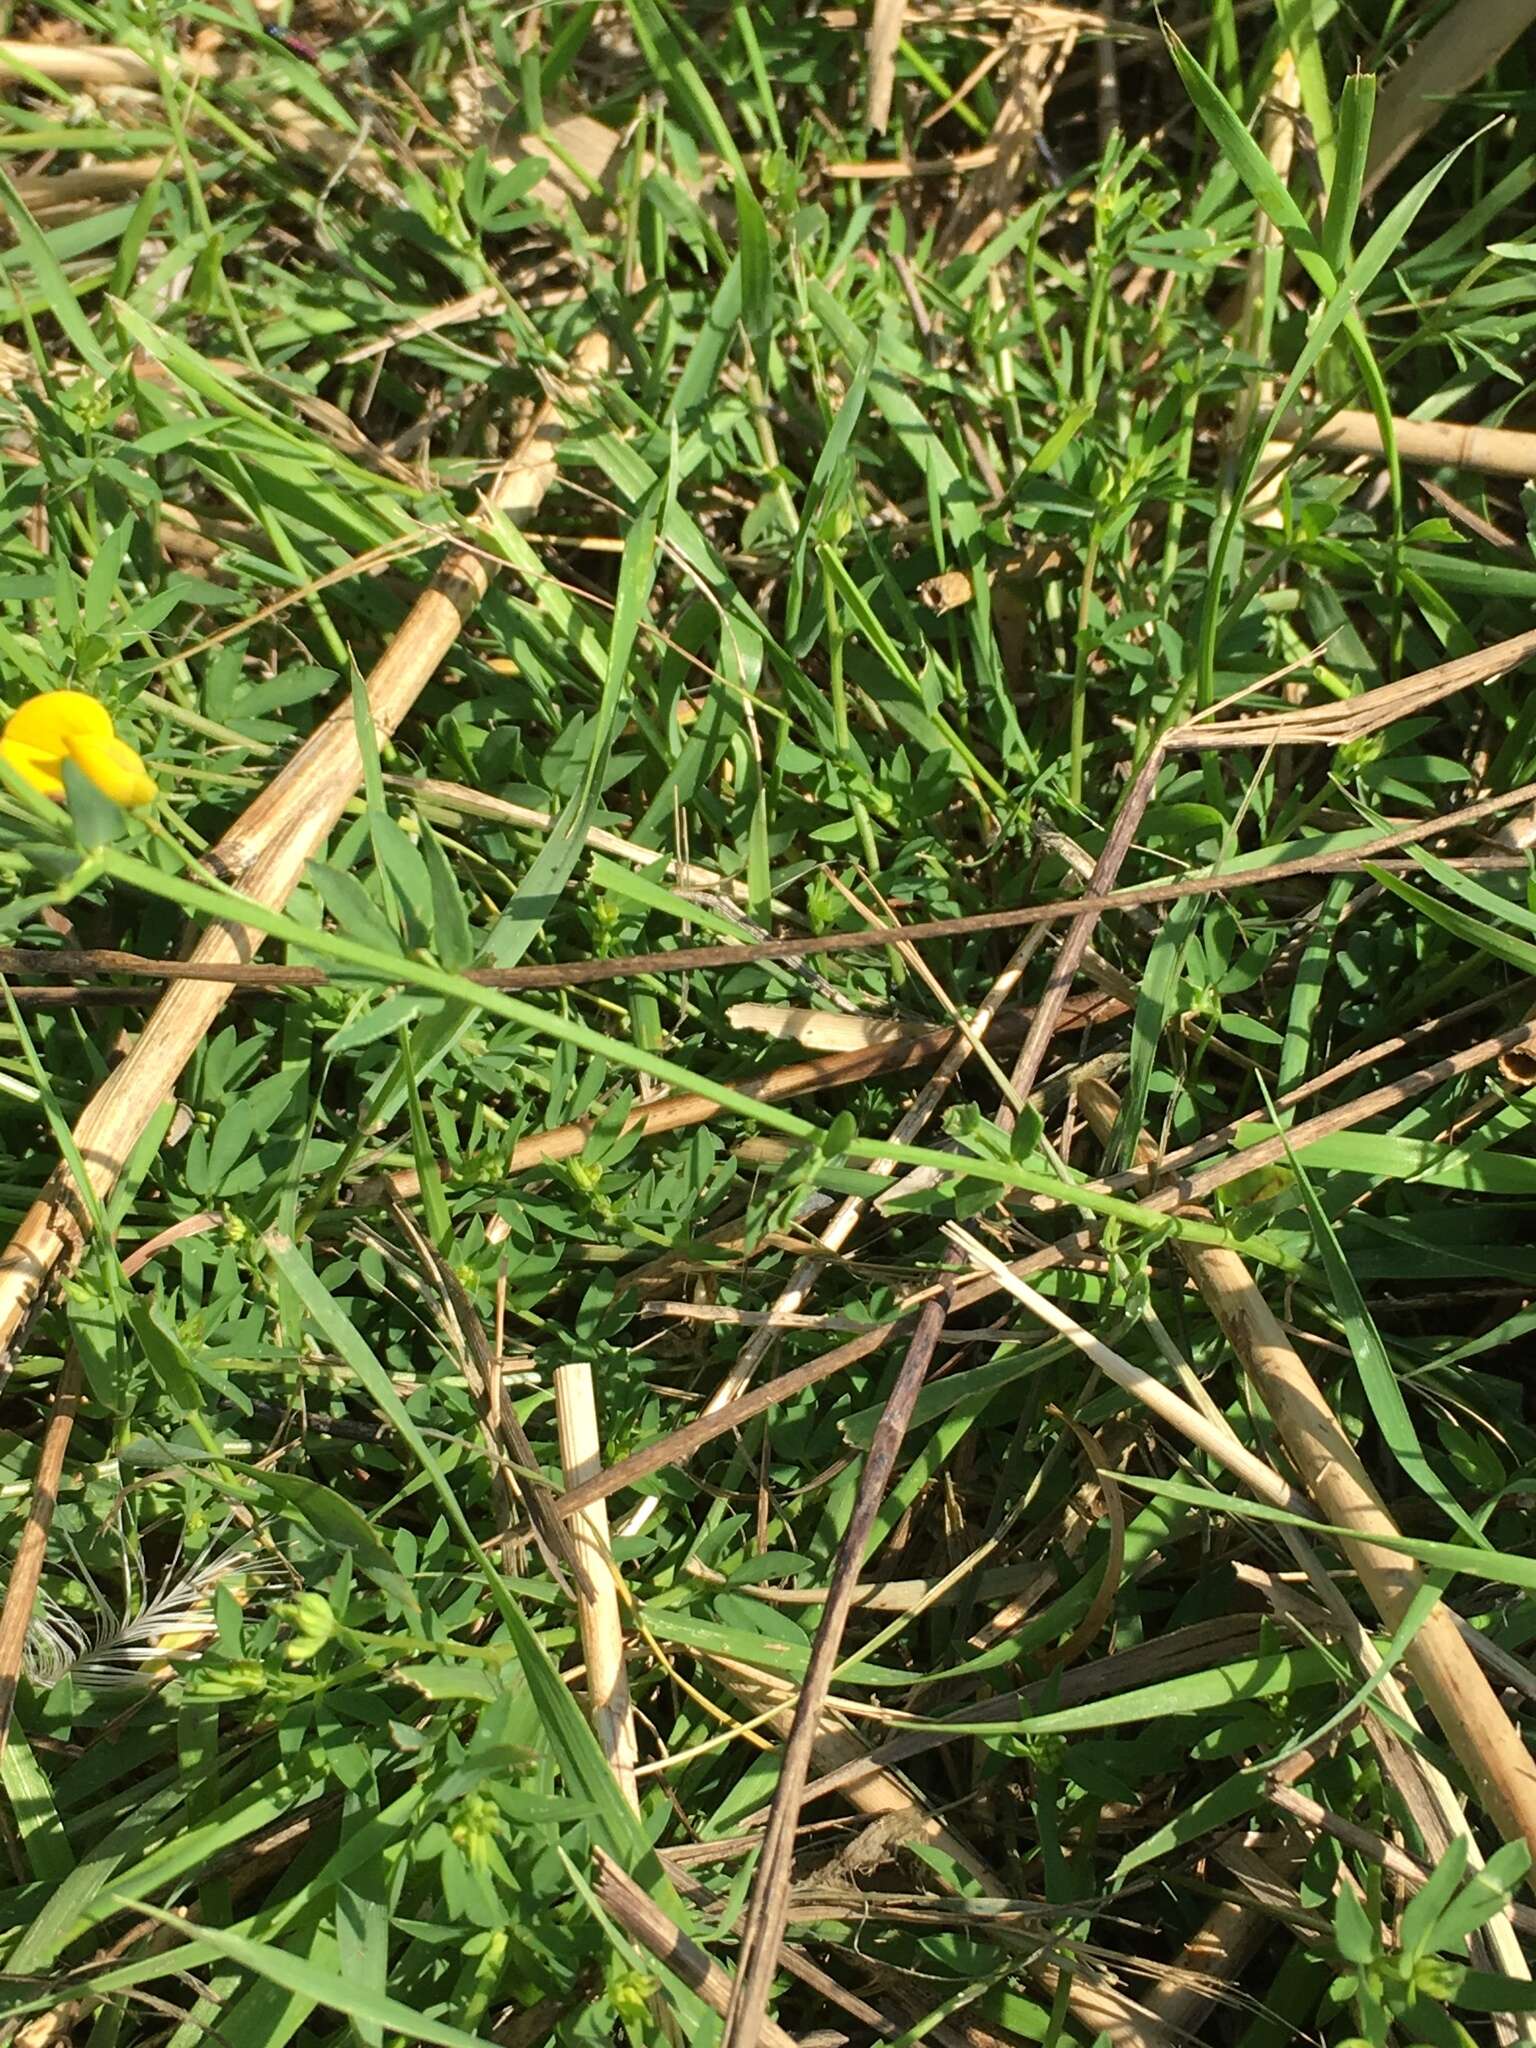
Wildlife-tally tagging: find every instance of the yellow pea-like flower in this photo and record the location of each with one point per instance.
(67, 725)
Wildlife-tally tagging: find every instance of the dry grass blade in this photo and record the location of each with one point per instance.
(1334, 724)
(1469, 1712)
(264, 854)
(597, 1606)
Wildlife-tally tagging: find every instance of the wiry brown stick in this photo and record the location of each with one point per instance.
(27, 1568)
(767, 1916)
(843, 1759)
(264, 854)
(800, 946)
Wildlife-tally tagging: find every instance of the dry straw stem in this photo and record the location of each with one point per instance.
(1495, 451)
(1333, 725)
(1469, 1712)
(881, 41)
(85, 63)
(1264, 259)
(264, 854)
(597, 1605)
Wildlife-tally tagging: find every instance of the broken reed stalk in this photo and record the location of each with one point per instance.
(1427, 1794)
(264, 854)
(1471, 1717)
(842, 1756)
(768, 1912)
(597, 1602)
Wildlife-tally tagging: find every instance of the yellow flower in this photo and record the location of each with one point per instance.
(67, 725)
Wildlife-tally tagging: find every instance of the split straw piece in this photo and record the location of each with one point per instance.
(597, 1606)
(264, 854)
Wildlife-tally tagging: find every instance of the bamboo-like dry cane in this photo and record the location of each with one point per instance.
(264, 854)
(597, 1603)
(882, 39)
(1495, 451)
(1463, 1701)
(1429, 1796)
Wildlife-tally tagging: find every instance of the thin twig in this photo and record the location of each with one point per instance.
(27, 1568)
(802, 946)
(767, 1916)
